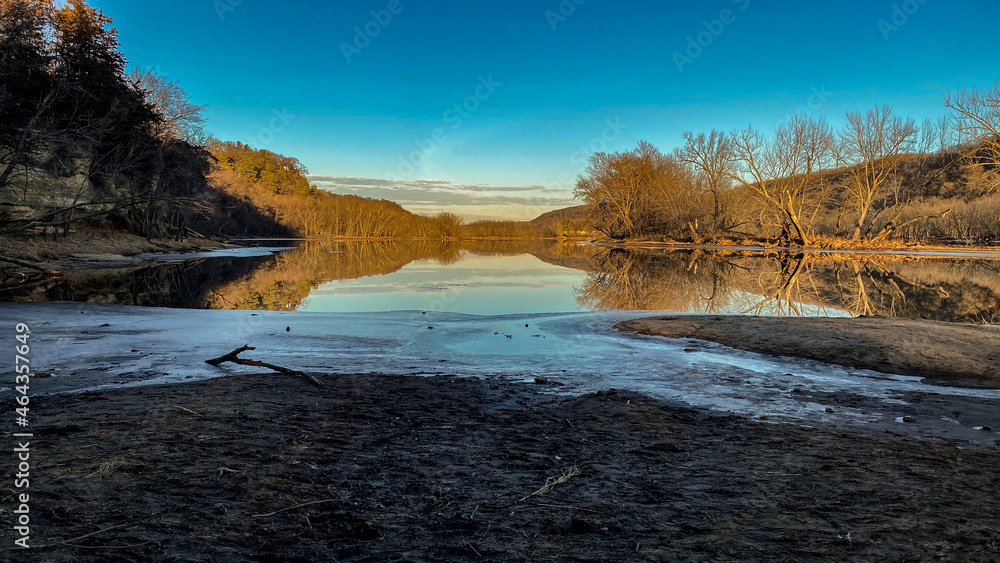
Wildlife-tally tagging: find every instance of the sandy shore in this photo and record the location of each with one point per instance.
(434, 469)
(957, 355)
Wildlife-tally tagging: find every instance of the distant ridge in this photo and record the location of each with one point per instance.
(575, 213)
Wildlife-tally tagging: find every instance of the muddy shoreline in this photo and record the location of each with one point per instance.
(941, 353)
(434, 469)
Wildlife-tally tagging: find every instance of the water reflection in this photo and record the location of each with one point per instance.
(543, 276)
(174, 284)
(947, 289)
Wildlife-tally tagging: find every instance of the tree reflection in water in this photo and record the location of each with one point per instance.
(951, 289)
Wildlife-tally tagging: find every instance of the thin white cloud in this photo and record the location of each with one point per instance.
(470, 201)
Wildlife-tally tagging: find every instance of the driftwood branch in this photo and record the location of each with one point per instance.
(303, 505)
(235, 358)
(695, 237)
(890, 228)
(552, 482)
(37, 221)
(67, 542)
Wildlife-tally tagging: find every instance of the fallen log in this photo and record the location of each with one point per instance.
(234, 357)
(23, 264)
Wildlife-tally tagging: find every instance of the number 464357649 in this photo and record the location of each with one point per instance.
(23, 370)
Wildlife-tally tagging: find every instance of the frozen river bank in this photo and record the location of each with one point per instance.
(86, 347)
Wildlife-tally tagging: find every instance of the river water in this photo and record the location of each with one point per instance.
(497, 278)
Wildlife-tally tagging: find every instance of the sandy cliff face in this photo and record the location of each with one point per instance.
(40, 189)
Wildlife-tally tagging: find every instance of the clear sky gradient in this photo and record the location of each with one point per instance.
(539, 84)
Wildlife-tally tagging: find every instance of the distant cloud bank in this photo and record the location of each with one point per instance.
(472, 202)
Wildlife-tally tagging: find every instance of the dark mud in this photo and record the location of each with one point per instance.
(415, 469)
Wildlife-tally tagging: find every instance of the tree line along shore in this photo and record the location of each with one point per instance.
(86, 143)
(878, 180)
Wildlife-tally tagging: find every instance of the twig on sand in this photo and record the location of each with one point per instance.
(565, 507)
(553, 482)
(189, 411)
(108, 546)
(303, 505)
(106, 469)
(84, 536)
(235, 358)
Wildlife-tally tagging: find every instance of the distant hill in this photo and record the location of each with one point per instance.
(571, 222)
(577, 212)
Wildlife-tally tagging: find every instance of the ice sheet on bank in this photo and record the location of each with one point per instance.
(89, 346)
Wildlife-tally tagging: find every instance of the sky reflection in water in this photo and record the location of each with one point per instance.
(480, 285)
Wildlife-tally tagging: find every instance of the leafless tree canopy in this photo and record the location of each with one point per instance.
(870, 148)
(638, 192)
(711, 156)
(181, 118)
(783, 172)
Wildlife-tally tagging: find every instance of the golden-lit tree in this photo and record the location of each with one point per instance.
(871, 146)
(712, 156)
(26, 88)
(449, 225)
(978, 117)
(782, 171)
(615, 185)
(86, 49)
(637, 192)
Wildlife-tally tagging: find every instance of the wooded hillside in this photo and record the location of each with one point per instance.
(83, 139)
(880, 177)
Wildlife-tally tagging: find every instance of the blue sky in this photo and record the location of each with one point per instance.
(538, 84)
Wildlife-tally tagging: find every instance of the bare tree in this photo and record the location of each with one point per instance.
(782, 171)
(929, 137)
(978, 122)
(615, 186)
(871, 146)
(978, 115)
(182, 119)
(712, 156)
(449, 225)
